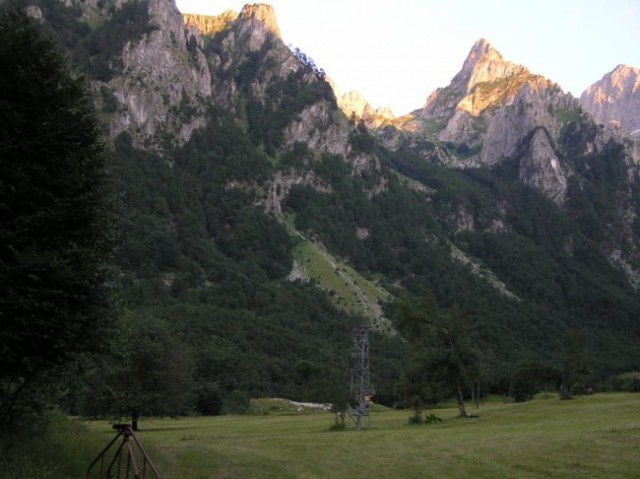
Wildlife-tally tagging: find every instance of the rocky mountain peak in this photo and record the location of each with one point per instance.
(479, 49)
(257, 21)
(615, 99)
(477, 85)
(490, 108)
(624, 70)
(483, 64)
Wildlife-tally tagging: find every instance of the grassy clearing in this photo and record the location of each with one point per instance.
(593, 436)
(348, 289)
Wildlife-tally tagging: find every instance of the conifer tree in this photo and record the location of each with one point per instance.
(54, 244)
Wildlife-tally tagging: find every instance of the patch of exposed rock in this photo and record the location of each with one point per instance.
(281, 184)
(321, 128)
(255, 23)
(541, 169)
(159, 76)
(490, 108)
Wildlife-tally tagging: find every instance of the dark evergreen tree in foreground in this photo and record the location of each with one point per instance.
(54, 244)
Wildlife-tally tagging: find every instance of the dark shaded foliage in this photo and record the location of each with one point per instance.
(54, 238)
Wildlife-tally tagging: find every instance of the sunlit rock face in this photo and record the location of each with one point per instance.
(209, 25)
(489, 108)
(255, 23)
(615, 99)
(484, 64)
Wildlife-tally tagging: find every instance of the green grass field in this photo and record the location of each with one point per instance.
(594, 436)
(591, 436)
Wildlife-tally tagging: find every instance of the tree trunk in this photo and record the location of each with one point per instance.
(473, 395)
(460, 397)
(135, 415)
(477, 398)
(339, 419)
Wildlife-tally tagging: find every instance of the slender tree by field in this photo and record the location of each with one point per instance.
(444, 360)
(54, 244)
(148, 372)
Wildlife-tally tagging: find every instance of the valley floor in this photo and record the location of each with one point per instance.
(594, 436)
(591, 436)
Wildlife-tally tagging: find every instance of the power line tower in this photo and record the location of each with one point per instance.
(361, 391)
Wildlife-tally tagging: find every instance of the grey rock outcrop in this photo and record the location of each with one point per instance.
(159, 76)
(252, 42)
(541, 168)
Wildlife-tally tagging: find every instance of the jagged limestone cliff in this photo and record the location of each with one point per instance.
(252, 68)
(161, 81)
(615, 99)
(490, 106)
(162, 75)
(489, 111)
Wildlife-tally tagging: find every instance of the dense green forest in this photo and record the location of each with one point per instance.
(208, 268)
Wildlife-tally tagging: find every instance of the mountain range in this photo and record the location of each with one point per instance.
(266, 212)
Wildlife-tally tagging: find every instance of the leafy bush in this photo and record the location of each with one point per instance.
(417, 419)
(236, 402)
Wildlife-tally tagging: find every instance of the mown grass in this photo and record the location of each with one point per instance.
(592, 436)
(595, 436)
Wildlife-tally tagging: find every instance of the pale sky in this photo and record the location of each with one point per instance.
(397, 52)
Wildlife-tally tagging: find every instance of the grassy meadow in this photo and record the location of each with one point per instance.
(594, 436)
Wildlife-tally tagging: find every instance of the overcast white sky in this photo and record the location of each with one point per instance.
(397, 52)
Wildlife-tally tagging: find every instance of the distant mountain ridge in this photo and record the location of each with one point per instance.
(353, 103)
(615, 99)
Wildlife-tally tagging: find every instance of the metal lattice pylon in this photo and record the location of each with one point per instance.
(361, 391)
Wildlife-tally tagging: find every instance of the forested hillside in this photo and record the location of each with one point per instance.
(202, 187)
